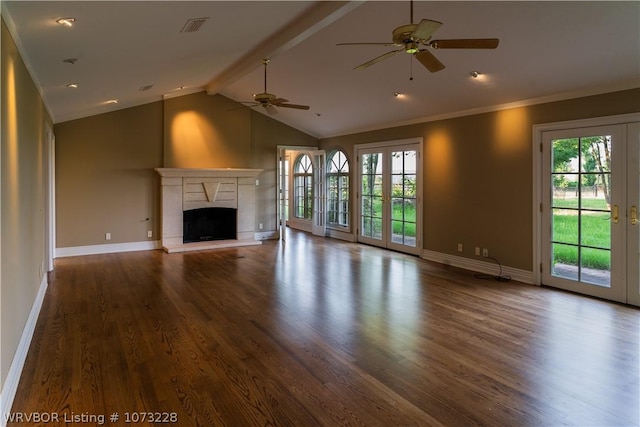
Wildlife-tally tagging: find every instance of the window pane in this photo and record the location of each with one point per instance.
(338, 189)
(595, 266)
(595, 229)
(565, 155)
(564, 261)
(397, 209)
(565, 226)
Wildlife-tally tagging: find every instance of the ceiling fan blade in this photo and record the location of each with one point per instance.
(360, 44)
(425, 28)
(465, 44)
(430, 62)
(296, 106)
(378, 59)
(277, 101)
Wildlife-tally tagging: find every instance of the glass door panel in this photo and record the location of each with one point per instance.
(372, 196)
(581, 245)
(403, 198)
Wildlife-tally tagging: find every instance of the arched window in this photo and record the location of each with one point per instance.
(338, 189)
(303, 187)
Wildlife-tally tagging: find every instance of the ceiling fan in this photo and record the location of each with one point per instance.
(269, 101)
(409, 38)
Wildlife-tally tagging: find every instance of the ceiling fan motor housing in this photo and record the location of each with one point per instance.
(403, 36)
(264, 98)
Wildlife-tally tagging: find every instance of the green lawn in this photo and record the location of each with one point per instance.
(595, 232)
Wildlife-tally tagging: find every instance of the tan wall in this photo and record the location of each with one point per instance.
(478, 173)
(104, 164)
(23, 162)
(105, 181)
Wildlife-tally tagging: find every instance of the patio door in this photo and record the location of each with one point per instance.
(307, 199)
(319, 219)
(389, 203)
(590, 195)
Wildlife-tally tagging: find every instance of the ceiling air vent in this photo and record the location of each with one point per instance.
(192, 25)
(144, 88)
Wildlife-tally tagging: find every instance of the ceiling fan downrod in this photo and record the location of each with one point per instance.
(265, 62)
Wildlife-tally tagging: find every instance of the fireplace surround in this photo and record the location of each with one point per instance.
(185, 189)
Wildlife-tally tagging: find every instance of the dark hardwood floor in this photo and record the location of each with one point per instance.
(322, 332)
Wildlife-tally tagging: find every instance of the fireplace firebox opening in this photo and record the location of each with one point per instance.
(206, 224)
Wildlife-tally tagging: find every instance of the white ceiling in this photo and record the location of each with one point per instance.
(548, 50)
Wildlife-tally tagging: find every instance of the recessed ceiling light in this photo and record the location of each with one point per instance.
(398, 94)
(112, 101)
(68, 22)
(72, 85)
(475, 74)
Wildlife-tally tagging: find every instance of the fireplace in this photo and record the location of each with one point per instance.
(206, 224)
(189, 196)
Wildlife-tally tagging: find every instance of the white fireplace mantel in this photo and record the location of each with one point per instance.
(212, 173)
(184, 189)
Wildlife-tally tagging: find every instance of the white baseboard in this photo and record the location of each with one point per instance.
(15, 370)
(479, 266)
(342, 235)
(266, 235)
(108, 249)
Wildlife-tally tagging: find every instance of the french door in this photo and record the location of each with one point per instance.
(389, 203)
(307, 199)
(319, 220)
(590, 195)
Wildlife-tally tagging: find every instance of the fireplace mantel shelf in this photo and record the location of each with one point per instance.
(213, 172)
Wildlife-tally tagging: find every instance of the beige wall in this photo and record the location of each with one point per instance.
(105, 181)
(104, 164)
(23, 163)
(478, 173)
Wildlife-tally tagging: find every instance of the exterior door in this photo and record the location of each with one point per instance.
(307, 197)
(590, 194)
(319, 192)
(389, 206)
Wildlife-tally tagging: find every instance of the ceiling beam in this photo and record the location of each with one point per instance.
(311, 21)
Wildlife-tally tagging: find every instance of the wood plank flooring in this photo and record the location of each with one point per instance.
(318, 332)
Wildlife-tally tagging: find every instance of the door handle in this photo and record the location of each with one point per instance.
(634, 215)
(614, 214)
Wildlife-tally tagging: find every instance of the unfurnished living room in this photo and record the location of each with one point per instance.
(300, 213)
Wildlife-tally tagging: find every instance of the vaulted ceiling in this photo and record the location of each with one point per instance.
(141, 51)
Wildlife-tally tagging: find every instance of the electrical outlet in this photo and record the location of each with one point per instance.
(107, 236)
(477, 252)
(485, 252)
(460, 247)
(149, 233)
(260, 226)
(257, 182)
